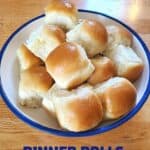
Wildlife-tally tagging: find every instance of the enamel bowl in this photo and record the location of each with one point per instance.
(9, 78)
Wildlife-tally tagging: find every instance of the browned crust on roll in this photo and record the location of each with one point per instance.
(54, 31)
(62, 6)
(36, 78)
(86, 113)
(69, 64)
(133, 72)
(97, 30)
(61, 57)
(78, 109)
(26, 58)
(104, 69)
(117, 98)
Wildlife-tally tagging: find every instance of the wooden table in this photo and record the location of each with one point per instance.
(133, 135)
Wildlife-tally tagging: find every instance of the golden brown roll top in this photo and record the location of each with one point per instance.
(34, 84)
(91, 34)
(127, 62)
(61, 13)
(104, 69)
(76, 110)
(68, 65)
(118, 35)
(26, 58)
(45, 39)
(118, 97)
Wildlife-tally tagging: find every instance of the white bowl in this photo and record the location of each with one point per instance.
(9, 77)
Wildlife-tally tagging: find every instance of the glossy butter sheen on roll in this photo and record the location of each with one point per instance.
(69, 65)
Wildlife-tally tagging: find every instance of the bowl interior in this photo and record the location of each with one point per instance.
(10, 71)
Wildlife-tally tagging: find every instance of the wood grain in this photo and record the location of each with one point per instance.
(133, 135)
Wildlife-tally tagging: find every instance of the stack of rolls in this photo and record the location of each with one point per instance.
(81, 72)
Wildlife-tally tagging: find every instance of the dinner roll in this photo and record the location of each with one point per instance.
(44, 40)
(91, 35)
(48, 105)
(68, 65)
(127, 62)
(118, 97)
(104, 69)
(34, 84)
(78, 109)
(26, 58)
(61, 13)
(118, 35)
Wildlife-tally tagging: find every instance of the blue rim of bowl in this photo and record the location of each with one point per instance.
(85, 133)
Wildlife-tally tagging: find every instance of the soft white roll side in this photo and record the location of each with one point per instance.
(47, 103)
(26, 58)
(118, 35)
(33, 86)
(128, 63)
(61, 13)
(44, 40)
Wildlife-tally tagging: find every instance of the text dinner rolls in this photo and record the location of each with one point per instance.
(118, 97)
(78, 109)
(34, 84)
(68, 65)
(61, 13)
(91, 34)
